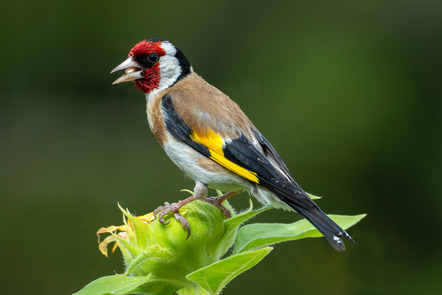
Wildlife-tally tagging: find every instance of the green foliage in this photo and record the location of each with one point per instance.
(216, 276)
(113, 284)
(160, 260)
(258, 235)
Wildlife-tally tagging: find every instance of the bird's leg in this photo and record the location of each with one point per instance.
(199, 193)
(217, 201)
(175, 209)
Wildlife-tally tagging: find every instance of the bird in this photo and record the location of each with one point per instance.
(211, 139)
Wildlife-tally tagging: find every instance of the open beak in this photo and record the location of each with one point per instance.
(133, 71)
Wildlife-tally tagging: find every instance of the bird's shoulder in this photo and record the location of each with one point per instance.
(205, 108)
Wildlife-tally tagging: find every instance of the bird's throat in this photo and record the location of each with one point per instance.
(151, 81)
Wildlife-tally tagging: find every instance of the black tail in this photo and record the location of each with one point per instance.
(331, 231)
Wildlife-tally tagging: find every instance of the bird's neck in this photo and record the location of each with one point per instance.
(168, 80)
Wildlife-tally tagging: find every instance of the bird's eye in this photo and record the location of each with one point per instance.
(153, 58)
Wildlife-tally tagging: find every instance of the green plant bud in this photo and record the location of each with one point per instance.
(164, 251)
(161, 260)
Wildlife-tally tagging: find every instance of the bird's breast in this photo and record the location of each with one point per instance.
(155, 119)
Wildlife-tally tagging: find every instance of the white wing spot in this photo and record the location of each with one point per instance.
(337, 239)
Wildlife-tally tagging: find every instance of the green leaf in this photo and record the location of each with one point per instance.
(313, 197)
(231, 228)
(162, 286)
(263, 234)
(116, 285)
(217, 275)
(192, 290)
(239, 219)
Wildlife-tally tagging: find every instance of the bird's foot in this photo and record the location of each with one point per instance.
(161, 211)
(175, 209)
(217, 201)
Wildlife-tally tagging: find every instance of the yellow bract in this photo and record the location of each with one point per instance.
(215, 144)
(121, 231)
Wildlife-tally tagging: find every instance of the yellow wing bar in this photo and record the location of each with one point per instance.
(215, 144)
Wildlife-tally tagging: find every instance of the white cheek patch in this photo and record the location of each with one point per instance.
(170, 69)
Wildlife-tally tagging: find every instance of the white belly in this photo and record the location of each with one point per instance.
(189, 160)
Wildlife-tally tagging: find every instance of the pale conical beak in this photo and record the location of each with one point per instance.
(133, 71)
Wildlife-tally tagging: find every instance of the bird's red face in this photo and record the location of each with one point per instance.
(154, 65)
(143, 65)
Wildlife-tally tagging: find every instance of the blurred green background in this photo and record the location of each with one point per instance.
(348, 92)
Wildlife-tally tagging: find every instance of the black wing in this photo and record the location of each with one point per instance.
(276, 178)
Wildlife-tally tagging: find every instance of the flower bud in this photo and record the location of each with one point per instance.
(149, 247)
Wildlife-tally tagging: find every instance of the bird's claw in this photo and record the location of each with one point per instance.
(161, 211)
(184, 222)
(216, 201)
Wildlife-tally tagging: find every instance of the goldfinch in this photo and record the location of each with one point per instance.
(210, 138)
